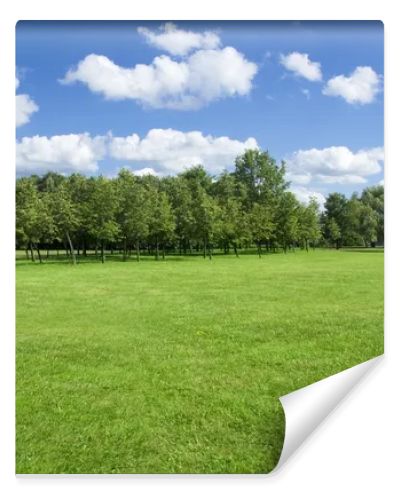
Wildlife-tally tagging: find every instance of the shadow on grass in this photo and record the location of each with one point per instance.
(363, 250)
(91, 259)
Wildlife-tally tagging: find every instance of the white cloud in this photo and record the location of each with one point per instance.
(205, 76)
(160, 152)
(24, 107)
(62, 153)
(172, 150)
(179, 42)
(301, 65)
(334, 165)
(145, 171)
(304, 194)
(360, 87)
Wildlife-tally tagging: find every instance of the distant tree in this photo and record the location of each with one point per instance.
(65, 215)
(373, 197)
(207, 221)
(369, 223)
(263, 180)
(287, 220)
(333, 232)
(336, 208)
(180, 195)
(234, 230)
(309, 229)
(80, 188)
(249, 206)
(103, 206)
(28, 231)
(261, 225)
(133, 211)
(162, 221)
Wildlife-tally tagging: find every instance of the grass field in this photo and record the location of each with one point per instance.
(176, 366)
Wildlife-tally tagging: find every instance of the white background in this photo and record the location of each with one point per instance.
(354, 454)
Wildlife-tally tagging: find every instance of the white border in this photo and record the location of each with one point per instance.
(354, 454)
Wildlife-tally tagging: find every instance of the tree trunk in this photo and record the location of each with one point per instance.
(204, 248)
(103, 258)
(71, 248)
(27, 253)
(259, 250)
(32, 254)
(157, 250)
(235, 249)
(137, 251)
(210, 252)
(38, 252)
(307, 245)
(163, 251)
(124, 251)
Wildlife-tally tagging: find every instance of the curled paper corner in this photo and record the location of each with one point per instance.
(306, 408)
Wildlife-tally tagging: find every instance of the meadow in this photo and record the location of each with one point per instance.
(176, 366)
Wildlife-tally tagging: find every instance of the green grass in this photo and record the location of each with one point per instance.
(177, 366)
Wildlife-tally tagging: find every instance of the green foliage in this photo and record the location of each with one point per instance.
(250, 206)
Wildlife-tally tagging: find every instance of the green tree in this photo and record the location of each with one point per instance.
(373, 197)
(333, 232)
(369, 223)
(65, 215)
(28, 231)
(133, 211)
(261, 225)
(309, 229)
(263, 180)
(336, 208)
(162, 221)
(287, 220)
(207, 221)
(103, 207)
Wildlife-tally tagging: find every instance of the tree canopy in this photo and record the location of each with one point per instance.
(252, 206)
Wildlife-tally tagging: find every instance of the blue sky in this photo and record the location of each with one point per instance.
(291, 87)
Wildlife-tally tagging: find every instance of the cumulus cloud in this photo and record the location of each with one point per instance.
(360, 87)
(62, 153)
(304, 195)
(145, 171)
(301, 65)
(159, 152)
(206, 75)
(24, 107)
(170, 151)
(179, 42)
(334, 165)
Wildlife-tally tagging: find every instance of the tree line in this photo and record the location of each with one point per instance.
(193, 211)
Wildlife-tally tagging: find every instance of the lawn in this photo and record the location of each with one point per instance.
(177, 365)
